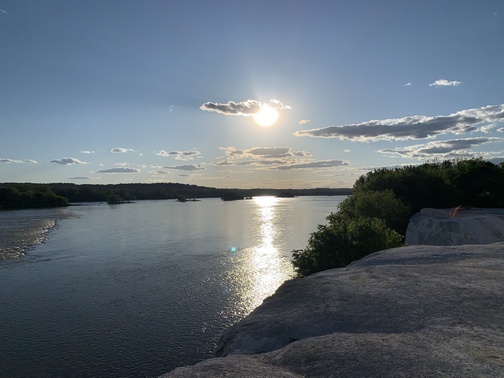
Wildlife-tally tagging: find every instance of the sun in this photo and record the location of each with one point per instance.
(266, 116)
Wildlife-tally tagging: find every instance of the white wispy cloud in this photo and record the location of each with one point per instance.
(414, 127)
(179, 155)
(409, 84)
(68, 161)
(119, 170)
(121, 164)
(304, 121)
(15, 161)
(317, 164)
(186, 167)
(121, 150)
(445, 83)
(244, 108)
(277, 104)
(447, 149)
(87, 152)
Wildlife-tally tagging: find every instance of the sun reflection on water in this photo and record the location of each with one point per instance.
(262, 268)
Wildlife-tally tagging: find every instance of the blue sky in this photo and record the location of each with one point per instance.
(166, 91)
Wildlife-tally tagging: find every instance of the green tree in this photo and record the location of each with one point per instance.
(375, 204)
(343, 241)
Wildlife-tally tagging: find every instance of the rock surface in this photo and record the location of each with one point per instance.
(456, 226)
(431, 311)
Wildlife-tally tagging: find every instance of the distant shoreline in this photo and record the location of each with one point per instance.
(14, 195)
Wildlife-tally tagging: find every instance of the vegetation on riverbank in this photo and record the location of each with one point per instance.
(14, 195)
(376, 215)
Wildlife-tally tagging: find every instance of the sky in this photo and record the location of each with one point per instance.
(246, 94)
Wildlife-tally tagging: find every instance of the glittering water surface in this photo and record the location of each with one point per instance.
(136, 290)
(22, 229)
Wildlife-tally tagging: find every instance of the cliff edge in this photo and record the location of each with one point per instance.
(431, 311)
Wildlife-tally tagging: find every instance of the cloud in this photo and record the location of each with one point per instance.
(497, 160)
(160, 172)
(9, 161)
(79, 178)
(279, 105)
(414, 127)
(304, 121)
(187, 167)
(87, 152)
(408, 84)
(179, 155)
(447, 149)
(244, 108)
(263, 152)
(445, 83)
(119, 170)
(68, 161)
(315, 165)
(120, 150)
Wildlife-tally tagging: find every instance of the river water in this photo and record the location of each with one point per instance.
(136, 290)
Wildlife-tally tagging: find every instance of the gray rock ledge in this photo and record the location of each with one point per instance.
(416, 311)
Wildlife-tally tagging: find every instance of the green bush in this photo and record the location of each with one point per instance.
(343, 241)
(375, 204)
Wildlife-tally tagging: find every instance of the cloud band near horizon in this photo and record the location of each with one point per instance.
(413, 127)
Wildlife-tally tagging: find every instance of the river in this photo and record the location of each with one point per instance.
(136, 290)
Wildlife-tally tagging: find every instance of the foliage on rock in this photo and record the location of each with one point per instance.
(376, 215)
(342, 241)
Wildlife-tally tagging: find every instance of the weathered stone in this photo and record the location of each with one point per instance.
(456, 226)
(414, 311)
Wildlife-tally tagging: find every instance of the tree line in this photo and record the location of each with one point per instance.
(31, 195)
(377, 214)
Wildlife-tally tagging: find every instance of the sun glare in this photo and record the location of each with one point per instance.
(266, 116)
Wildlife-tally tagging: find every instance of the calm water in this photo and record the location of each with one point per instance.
(140, 289)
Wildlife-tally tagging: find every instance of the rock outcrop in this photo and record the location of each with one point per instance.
(456, 226)
(423, 311)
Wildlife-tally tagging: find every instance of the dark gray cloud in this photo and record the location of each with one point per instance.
(9, 161)
(119, 170)
(497, 160)
(244, 108)
(263, 152)
(442, 149)
(414, 127)
(121, 150)
(80, 178)
(67, 161)
(186, 167)
(314, 165)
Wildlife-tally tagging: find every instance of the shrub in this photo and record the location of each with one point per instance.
(343, 241)
(375, 204)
